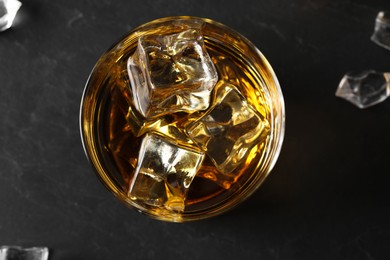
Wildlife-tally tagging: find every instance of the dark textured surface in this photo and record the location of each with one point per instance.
(327, 198)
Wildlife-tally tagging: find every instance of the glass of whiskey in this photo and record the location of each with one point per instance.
(182, 119)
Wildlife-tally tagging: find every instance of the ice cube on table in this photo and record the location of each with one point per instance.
(364, 89)
(164, 173)
(171, 73)
(229, 129)
(20, 253)
(381, 35)
(8, 10)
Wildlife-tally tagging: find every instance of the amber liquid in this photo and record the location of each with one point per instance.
(121, 145)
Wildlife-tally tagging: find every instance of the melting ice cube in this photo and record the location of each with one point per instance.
(8, 10)
(164, 173)
(19, 253)
(364, 89)
(170, 73)
(381, 34)
(229, 129)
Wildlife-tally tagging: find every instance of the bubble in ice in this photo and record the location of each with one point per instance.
(8, 10)
(171, 73)
(381, 35)
(164, 173)
(229, 129)
(20, 253)
(364, 89)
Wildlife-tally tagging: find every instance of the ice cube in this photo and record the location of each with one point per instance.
(19, 253)
(169, 125)
(164, 173)
(170, 73)
(229, 129)
(364, 89)
(8, 10)
(381, 35)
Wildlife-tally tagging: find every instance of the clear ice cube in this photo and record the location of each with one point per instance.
(364, 89)
(168, 125)
(171, 73)
(164, 173)
(8, 10)
(19, 253)
(229, 129)
(381, 35)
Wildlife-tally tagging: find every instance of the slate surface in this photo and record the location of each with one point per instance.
(328, 196)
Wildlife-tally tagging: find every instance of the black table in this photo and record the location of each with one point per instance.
(328, 196)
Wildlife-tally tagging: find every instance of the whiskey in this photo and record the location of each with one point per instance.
(220, 153)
